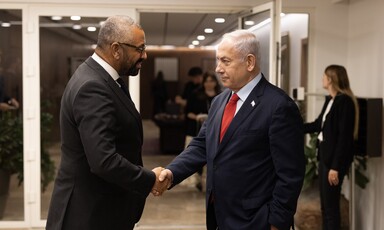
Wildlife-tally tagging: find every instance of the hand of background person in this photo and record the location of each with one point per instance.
(3, 106)
(180, 101)
(201, 117)
(160, 186)
(14, 103)
(333, 177)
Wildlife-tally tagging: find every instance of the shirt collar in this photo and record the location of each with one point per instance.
(106, 66)
(244, 92)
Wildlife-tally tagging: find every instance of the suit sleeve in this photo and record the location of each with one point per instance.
(94, 113)
(287, 150)
(345, 113)
(315, 126)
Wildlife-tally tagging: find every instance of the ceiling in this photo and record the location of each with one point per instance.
(161, 29)
(180, 29)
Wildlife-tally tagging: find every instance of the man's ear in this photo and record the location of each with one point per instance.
(251, 62)
(115, 50)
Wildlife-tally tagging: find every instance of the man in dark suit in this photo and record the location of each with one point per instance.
(101, 183)
(255, 169)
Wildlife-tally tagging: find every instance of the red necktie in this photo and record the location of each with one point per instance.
(229, 113)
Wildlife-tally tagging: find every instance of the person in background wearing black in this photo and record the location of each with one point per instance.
(196, 76)
(337, 128)
(6, 102)
(197, 110)
(159, 93)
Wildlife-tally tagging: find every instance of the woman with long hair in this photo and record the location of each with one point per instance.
(337, 128)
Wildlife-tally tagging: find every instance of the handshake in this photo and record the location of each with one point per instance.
(164, 178)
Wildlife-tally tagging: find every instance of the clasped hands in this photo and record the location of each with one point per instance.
(164, 178)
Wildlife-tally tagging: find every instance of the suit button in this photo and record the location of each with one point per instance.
(214, 167)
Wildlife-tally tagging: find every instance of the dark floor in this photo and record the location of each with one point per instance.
(180, 208)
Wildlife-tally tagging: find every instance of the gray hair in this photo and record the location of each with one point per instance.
(245, 42)
(115, 28)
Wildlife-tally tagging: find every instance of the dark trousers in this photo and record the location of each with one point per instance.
(330, 199)
(211, 215)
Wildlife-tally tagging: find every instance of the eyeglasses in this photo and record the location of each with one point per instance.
(139, 49)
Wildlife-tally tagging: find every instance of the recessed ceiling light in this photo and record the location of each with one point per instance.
(200, 37)
(191, 46)
(76, 27)
(195, 42)
(249, 23)
(219, 20)
(75, 18)
(208, 30)
(5, 24)
(56, 18)
(91, 28)
(168, 47)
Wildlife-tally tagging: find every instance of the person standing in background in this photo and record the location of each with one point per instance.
(6, 102)
(159, 93)
(196, 76)
(337, 128)
(197, 108)
(101, 183)
(255, 162)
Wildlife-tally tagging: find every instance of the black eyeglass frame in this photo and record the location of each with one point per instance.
(139, 49)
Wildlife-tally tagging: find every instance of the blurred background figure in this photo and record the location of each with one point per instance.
(159, 93)
(196, 111)
(6, 102)
(196, 77)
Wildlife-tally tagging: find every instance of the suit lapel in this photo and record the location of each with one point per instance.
(246, 109)
(219, 117)
(126, 101)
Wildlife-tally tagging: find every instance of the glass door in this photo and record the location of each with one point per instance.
(26, 41)
(11, 117)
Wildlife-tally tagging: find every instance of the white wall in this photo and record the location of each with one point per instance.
(297, 27)
(351, 34)
(365, 66)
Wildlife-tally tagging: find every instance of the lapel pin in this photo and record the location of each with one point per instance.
(253, 103)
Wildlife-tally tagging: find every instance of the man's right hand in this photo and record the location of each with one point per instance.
(162, 185)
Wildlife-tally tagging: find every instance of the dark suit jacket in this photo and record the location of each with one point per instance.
(101, 183)
(337, 147)
(256, 172)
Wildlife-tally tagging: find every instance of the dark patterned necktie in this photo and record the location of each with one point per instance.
(229, 113)
(123, 86)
